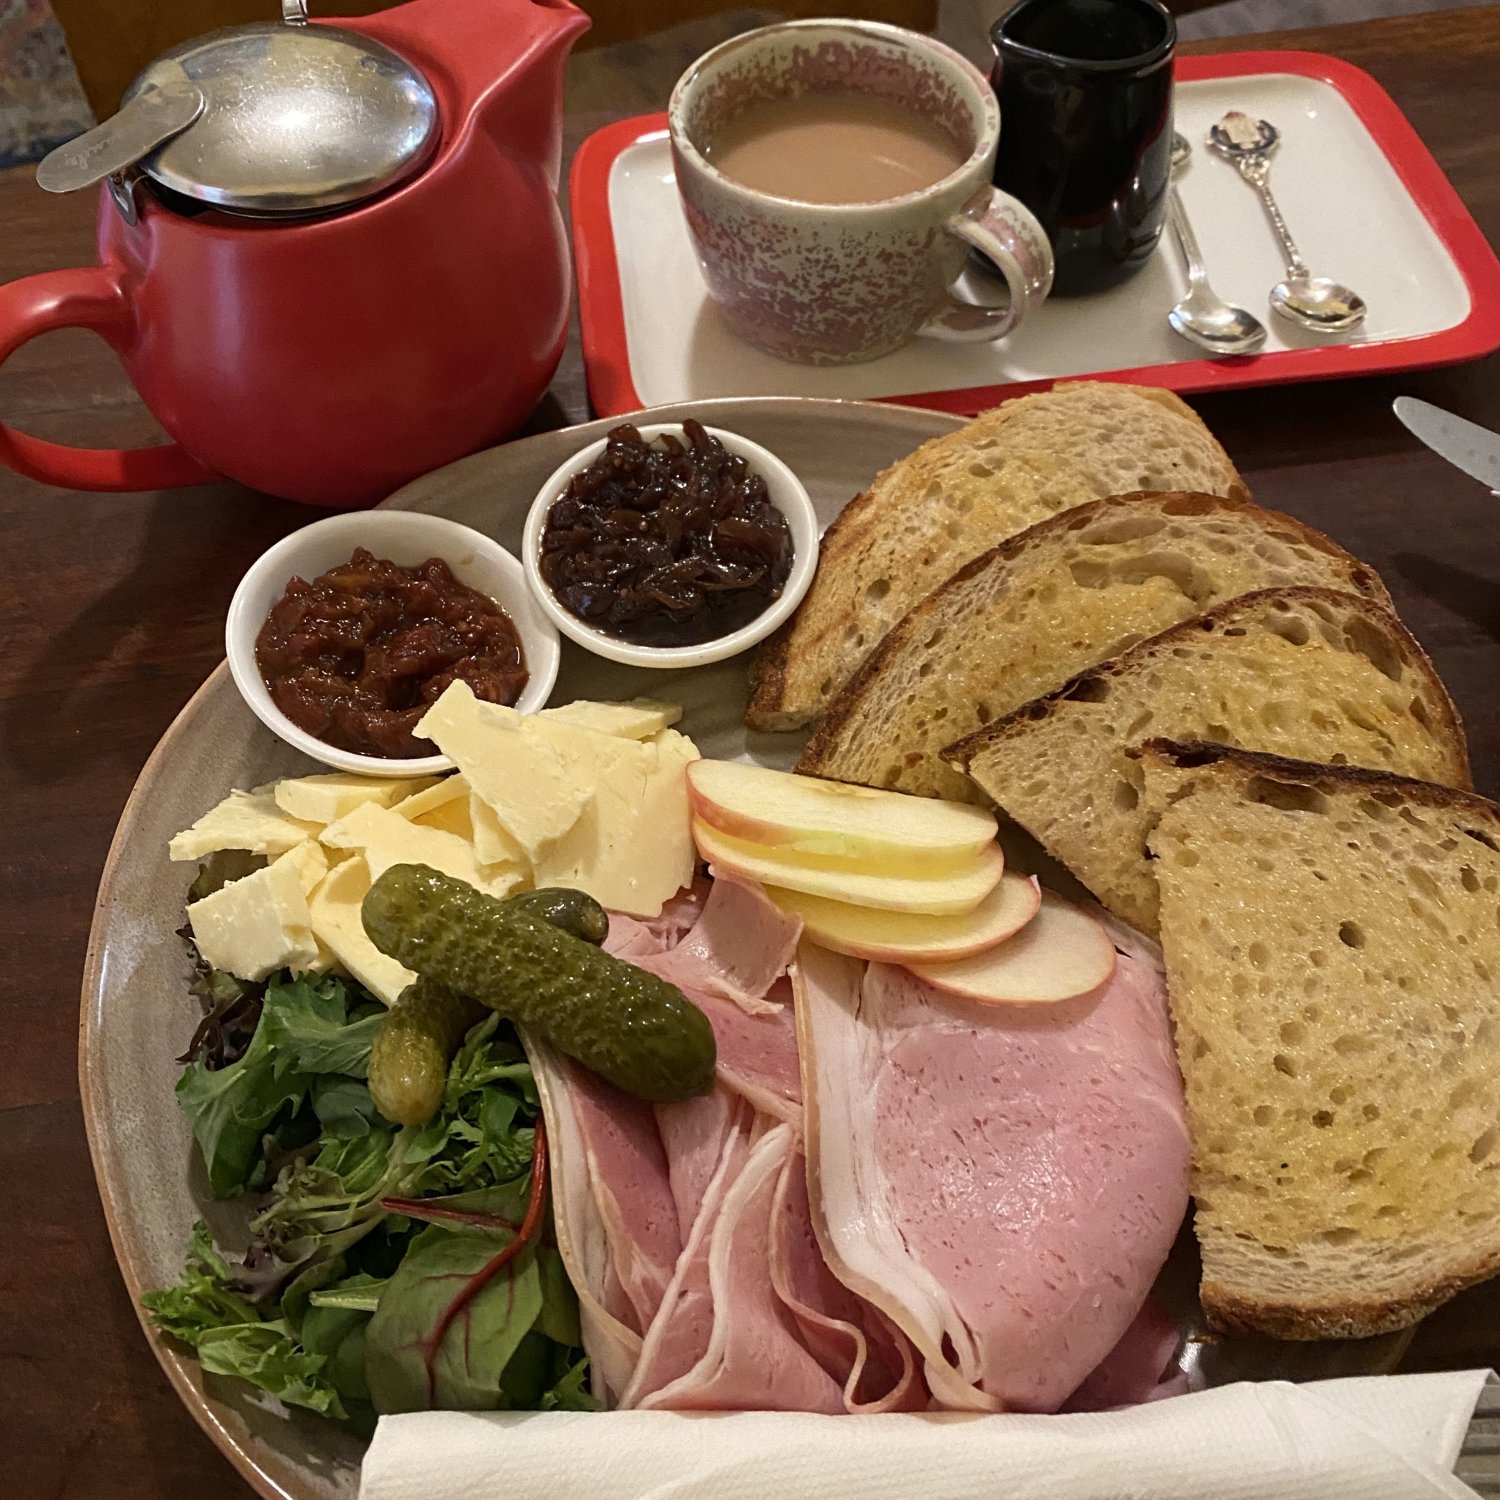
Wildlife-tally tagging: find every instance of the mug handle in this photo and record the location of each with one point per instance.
(1008, 235)
(91, 298)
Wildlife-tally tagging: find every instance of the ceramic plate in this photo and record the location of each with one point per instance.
(137, 1013)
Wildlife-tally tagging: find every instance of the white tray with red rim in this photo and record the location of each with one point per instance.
(1363, 196)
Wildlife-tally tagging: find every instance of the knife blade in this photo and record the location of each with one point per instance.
(1466, 445)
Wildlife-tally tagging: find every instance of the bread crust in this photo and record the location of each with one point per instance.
(769, 708)
(962, 753)
(1338, 1318)
(1189, 754)
(844, 706)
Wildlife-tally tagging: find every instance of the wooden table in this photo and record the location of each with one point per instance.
(111, 612)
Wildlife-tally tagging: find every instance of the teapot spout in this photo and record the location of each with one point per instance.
(497, 66)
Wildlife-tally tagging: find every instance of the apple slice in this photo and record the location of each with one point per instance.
(802, 813)
(899, 937)
(1060, 954)
(954, 892)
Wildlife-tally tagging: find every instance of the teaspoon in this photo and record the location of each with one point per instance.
(1315, 302)
(1203, 316)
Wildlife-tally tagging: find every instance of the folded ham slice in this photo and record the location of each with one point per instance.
(1003, 1181)
(583, 1238)
(738, 948)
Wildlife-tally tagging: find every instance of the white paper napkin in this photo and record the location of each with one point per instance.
(1389, 1437)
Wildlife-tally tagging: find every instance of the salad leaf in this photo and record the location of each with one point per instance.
(304, 1031)
(202, 1298)
(359, 1293)
(570, 1391)
(559, 1315)
(231, 1337)
(343, 1106)
(321, 1027)
(408, 1265)
(231, 1108)
(445, 1330)
(269, 1356)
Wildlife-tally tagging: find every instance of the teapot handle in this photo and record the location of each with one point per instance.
(85, 298)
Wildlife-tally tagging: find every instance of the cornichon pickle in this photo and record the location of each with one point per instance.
(421, 1033)
(628, 1026)
(575, 912)
(413, 1047)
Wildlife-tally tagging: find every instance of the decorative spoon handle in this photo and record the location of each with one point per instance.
(1257, 172)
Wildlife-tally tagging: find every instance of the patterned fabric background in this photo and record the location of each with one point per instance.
(41, 103)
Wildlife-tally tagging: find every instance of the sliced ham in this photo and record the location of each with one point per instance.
(856, 1344)
(582, 1238)
(1142, 1367)
(634, 937)
(1003, 1181)
(681, 1331)
(739, 947)
(755, 1359)
(693, 1134)
(632, 1189)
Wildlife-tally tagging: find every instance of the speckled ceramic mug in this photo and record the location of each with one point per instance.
(836, 283)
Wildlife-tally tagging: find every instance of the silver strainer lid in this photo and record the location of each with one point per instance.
(295, 119)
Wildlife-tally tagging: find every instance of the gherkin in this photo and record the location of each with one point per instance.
(575, 912)
(413, 1047)
(633, 1029)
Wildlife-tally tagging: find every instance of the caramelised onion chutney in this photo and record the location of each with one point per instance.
(356, 656)
(666, 543)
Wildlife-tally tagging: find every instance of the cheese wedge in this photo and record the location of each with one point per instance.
(438, 794)
(243, 820)
(385, 838)
(632, 848)
(638, 719)
(520, 776)
(325, 799)
(259, 923)
(335, 911)
(493, 844)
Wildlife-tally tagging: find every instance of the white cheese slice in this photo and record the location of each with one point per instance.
(452, 817)
(519, 776)
(336, 921)
(385, 838)
(325, 799)
(493, 844)
(666, 816)
(637, 719)
(310, 860)
(439, 794)
(632, 849)
(258, 924)
(243, 820)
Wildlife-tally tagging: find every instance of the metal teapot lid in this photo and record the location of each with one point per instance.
(268, 119)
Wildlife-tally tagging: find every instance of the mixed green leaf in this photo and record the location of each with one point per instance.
(389, 1268)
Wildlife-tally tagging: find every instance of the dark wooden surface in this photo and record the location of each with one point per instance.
(111, 609)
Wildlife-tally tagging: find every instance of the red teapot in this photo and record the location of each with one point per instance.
(331, 257)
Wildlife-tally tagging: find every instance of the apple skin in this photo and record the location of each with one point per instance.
(785, 811)
(952, 893)
(894, 937)
(1060, 954)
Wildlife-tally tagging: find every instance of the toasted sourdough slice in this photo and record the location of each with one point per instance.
(1332, 951)
(955, 497)
(1021, 619)
(1307, 672)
